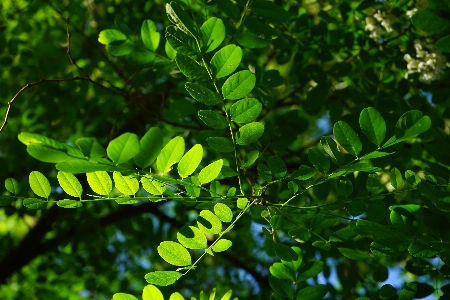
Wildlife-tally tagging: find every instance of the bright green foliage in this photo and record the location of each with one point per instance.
(226, 61)
(170, 154)
(263, 94)
(123, 148)
(191, 237)
(223, 212)
(222, 245)
(150, 147)
(70, 184)
(190, 161)
(210, 172)
(100, 182)
(246, 110)
(209, 223)
(249, 133)
(213, 33)
(127, 185)
(174, 253)
(238, 85)
(39, 184)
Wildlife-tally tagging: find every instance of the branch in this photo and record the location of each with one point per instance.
(68, 51)
(42, 80)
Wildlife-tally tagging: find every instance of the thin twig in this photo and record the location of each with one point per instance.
(42, 80)
(68, 51)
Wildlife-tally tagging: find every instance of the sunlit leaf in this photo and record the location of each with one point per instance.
(100, 182)
(123, 148)
(213, 33)
(210, 172)
(162, 278)
(190, 161)
(223, 212)
(70, 184)
(40, 184)
(150, 35)
(222, 245)
(69, 203)
(170, 154)
(226, 60)
(245, 110)
(209, 223)
(174, 253)
(249, 133)
(191, 237)
(127, 185)
(238, 85)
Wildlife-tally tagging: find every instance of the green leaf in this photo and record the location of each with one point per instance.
(140, 57)
(127, 185)
(242, 203)
(373, 183)
(176, 296)
(49, 155)
(250, 40)
(202, 94)
(425, 248)
(191, 237)
(125, 200)
(373, 125)
(150, 147)
(100, 182)
(37, 139)
(319, 160)
(443, 44)
(410, 125)
(226, 60)
(174, 253)
(345, 187)
(213, 119)
(220, 144)
(69, 204)
(85, 166)
(249, 133)
(280, 271)
(90, 147)
(277, 166)
(162, 278)
(151, 292)
(310, 270)
(213, 34)
(353, 254)
(412, 177)
(190, 161)
(209, 223)
(170, 51)
(70, 184)
(409, 290)
(270, 11)
(222, 245)
(396, 178)
(272, 78)
(123, 148)
(250, 159)
(210, 172)
(178, 16)
(39, 184)
(180, 41)
(6, 200)
(293, 187)
(223, 212)
(304, 173)
(150, 35)
(238, 85)
(245, 110)
(123, 296)
(314, 292)
(375, 154)
(12, 186)
(277, 222)
(431, 21)
(386, 291)
(281, 287)
(121, 49)
(170, 154)
(190, 68)
(111, 36)
(152, 187)
(264, 172)
(285, 253)
(331, 148)
(347, 138)
(34, 203)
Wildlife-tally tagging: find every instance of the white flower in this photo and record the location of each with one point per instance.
(428, 62)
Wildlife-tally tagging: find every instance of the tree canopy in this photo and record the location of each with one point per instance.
(217, 149)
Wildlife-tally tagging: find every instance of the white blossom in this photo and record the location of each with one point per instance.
(428, 62)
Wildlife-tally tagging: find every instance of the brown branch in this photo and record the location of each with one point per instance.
(68, 51)
(42, 80)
